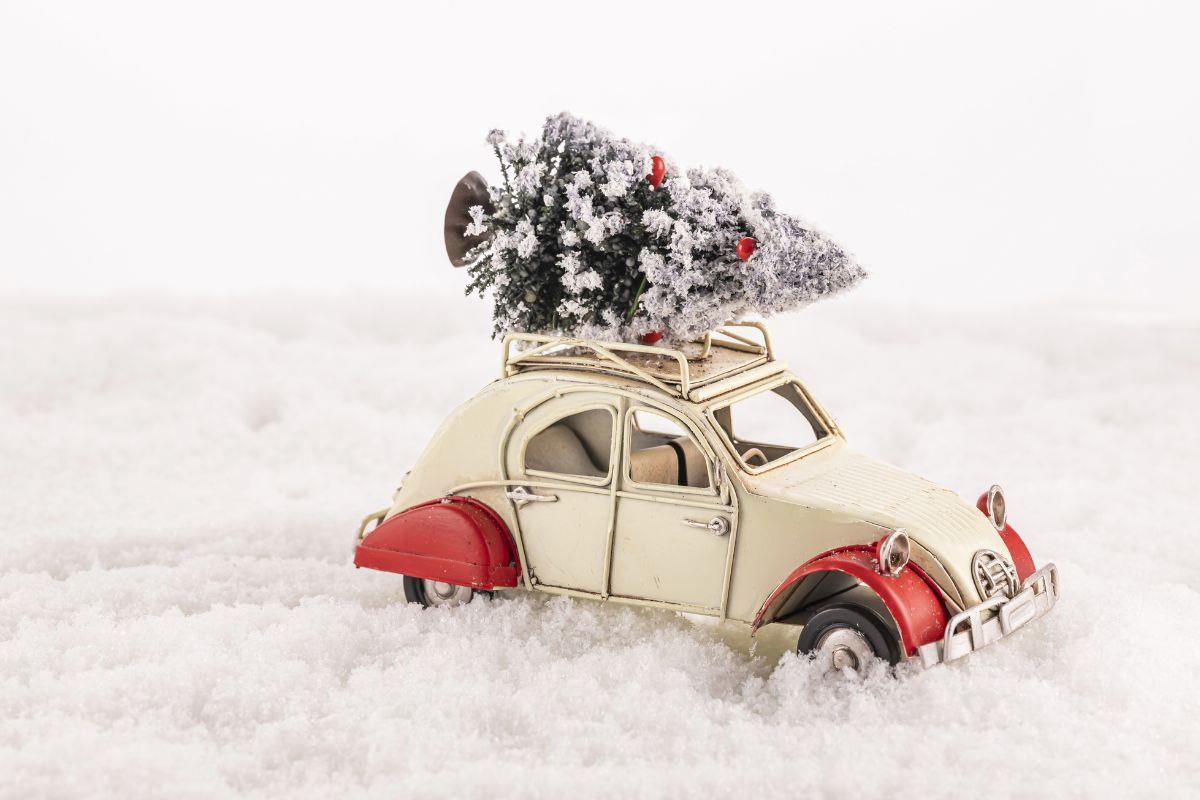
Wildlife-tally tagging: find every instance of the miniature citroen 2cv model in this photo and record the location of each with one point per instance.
(704, 480)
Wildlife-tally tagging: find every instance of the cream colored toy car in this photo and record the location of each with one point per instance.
(704, 480)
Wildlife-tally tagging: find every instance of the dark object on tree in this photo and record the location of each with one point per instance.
(472, 190)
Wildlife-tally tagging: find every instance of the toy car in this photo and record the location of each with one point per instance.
(705, 479)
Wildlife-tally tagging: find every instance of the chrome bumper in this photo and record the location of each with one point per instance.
(968, 631)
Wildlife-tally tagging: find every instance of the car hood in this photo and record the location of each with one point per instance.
(848, 484)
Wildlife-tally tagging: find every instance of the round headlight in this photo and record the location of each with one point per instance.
(892, 552)
(997, 511)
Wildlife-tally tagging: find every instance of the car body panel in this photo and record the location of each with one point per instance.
(826, 498)
(566, 540)
(843, 482)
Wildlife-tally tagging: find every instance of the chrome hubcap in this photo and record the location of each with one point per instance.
(843, 648)
(440, 593)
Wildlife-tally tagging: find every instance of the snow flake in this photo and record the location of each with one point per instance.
(657, 223)
(477, 226)
(529, 178)
(526, 239)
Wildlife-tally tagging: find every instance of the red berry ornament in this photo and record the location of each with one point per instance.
(651, 337)
(658, 170)
(746, 247)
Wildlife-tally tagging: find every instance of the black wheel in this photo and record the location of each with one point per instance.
(844, 635)
(429, 593)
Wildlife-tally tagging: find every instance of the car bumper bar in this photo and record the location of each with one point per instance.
(993, 619)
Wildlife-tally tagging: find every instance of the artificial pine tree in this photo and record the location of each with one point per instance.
(593, 236)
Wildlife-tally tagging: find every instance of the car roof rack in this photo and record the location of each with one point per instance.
(721, 354)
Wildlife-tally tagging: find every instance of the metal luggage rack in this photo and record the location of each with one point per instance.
(720, 354)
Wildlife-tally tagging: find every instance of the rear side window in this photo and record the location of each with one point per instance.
(579, 444)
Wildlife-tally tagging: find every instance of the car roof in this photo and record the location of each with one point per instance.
(722, 361)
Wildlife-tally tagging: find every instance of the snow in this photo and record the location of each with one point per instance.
(181, 479)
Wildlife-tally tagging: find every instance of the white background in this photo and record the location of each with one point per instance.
(228, 328)
(1031, 152)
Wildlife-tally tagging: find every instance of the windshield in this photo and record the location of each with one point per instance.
(774, 423)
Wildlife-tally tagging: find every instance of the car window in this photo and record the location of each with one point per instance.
(661, 451)
(577, 444)
(771, 424)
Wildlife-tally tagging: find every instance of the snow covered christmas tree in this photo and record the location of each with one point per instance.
(594, 236)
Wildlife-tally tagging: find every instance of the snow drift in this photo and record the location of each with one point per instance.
(179, 616)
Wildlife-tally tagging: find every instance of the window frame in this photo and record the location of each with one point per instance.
(692, 430)
(832, 432)
(587, 480)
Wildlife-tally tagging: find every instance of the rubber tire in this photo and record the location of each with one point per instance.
(879, 636)
(414, 592)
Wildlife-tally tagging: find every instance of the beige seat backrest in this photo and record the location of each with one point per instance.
(655, 465)
(697, 464)
(557, 449)
(660, 464)
(594, 428)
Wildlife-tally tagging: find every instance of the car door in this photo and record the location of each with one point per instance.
(675, 520)
(562, 459)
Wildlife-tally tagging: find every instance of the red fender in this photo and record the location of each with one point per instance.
(911, 597)
(1017, 551)
(454, 539)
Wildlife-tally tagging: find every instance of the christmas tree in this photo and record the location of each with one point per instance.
(594, 236)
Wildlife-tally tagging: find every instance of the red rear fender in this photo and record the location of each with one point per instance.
(454, 539)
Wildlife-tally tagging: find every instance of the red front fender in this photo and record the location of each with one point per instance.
(1017, 551)
(454, 539)
(911, 597)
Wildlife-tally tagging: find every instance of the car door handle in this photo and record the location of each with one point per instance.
(717, 526)
(520, 496)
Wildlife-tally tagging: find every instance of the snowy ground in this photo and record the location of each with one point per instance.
(180, 481)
